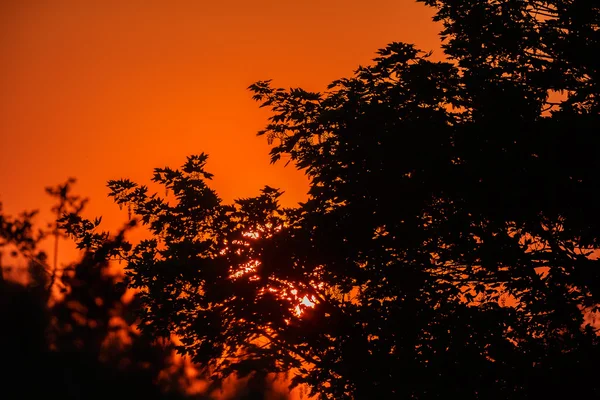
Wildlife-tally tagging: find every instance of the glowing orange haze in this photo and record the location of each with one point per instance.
(108, 89)
(105, 89)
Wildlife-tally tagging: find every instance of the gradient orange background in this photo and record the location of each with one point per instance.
(108, 89)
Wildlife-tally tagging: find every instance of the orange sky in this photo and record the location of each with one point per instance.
(104, 89)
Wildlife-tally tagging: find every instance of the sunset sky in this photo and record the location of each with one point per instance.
(109, 89)
(101, 90)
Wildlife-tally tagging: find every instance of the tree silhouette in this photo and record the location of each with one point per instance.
(78, 342)
(450, 241)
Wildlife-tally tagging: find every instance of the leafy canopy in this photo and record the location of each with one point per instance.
(450, 239)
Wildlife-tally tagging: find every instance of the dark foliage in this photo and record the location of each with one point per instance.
(77, 342)
(449, 245)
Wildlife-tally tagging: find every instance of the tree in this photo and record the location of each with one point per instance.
(80, 341)
(450, 241)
